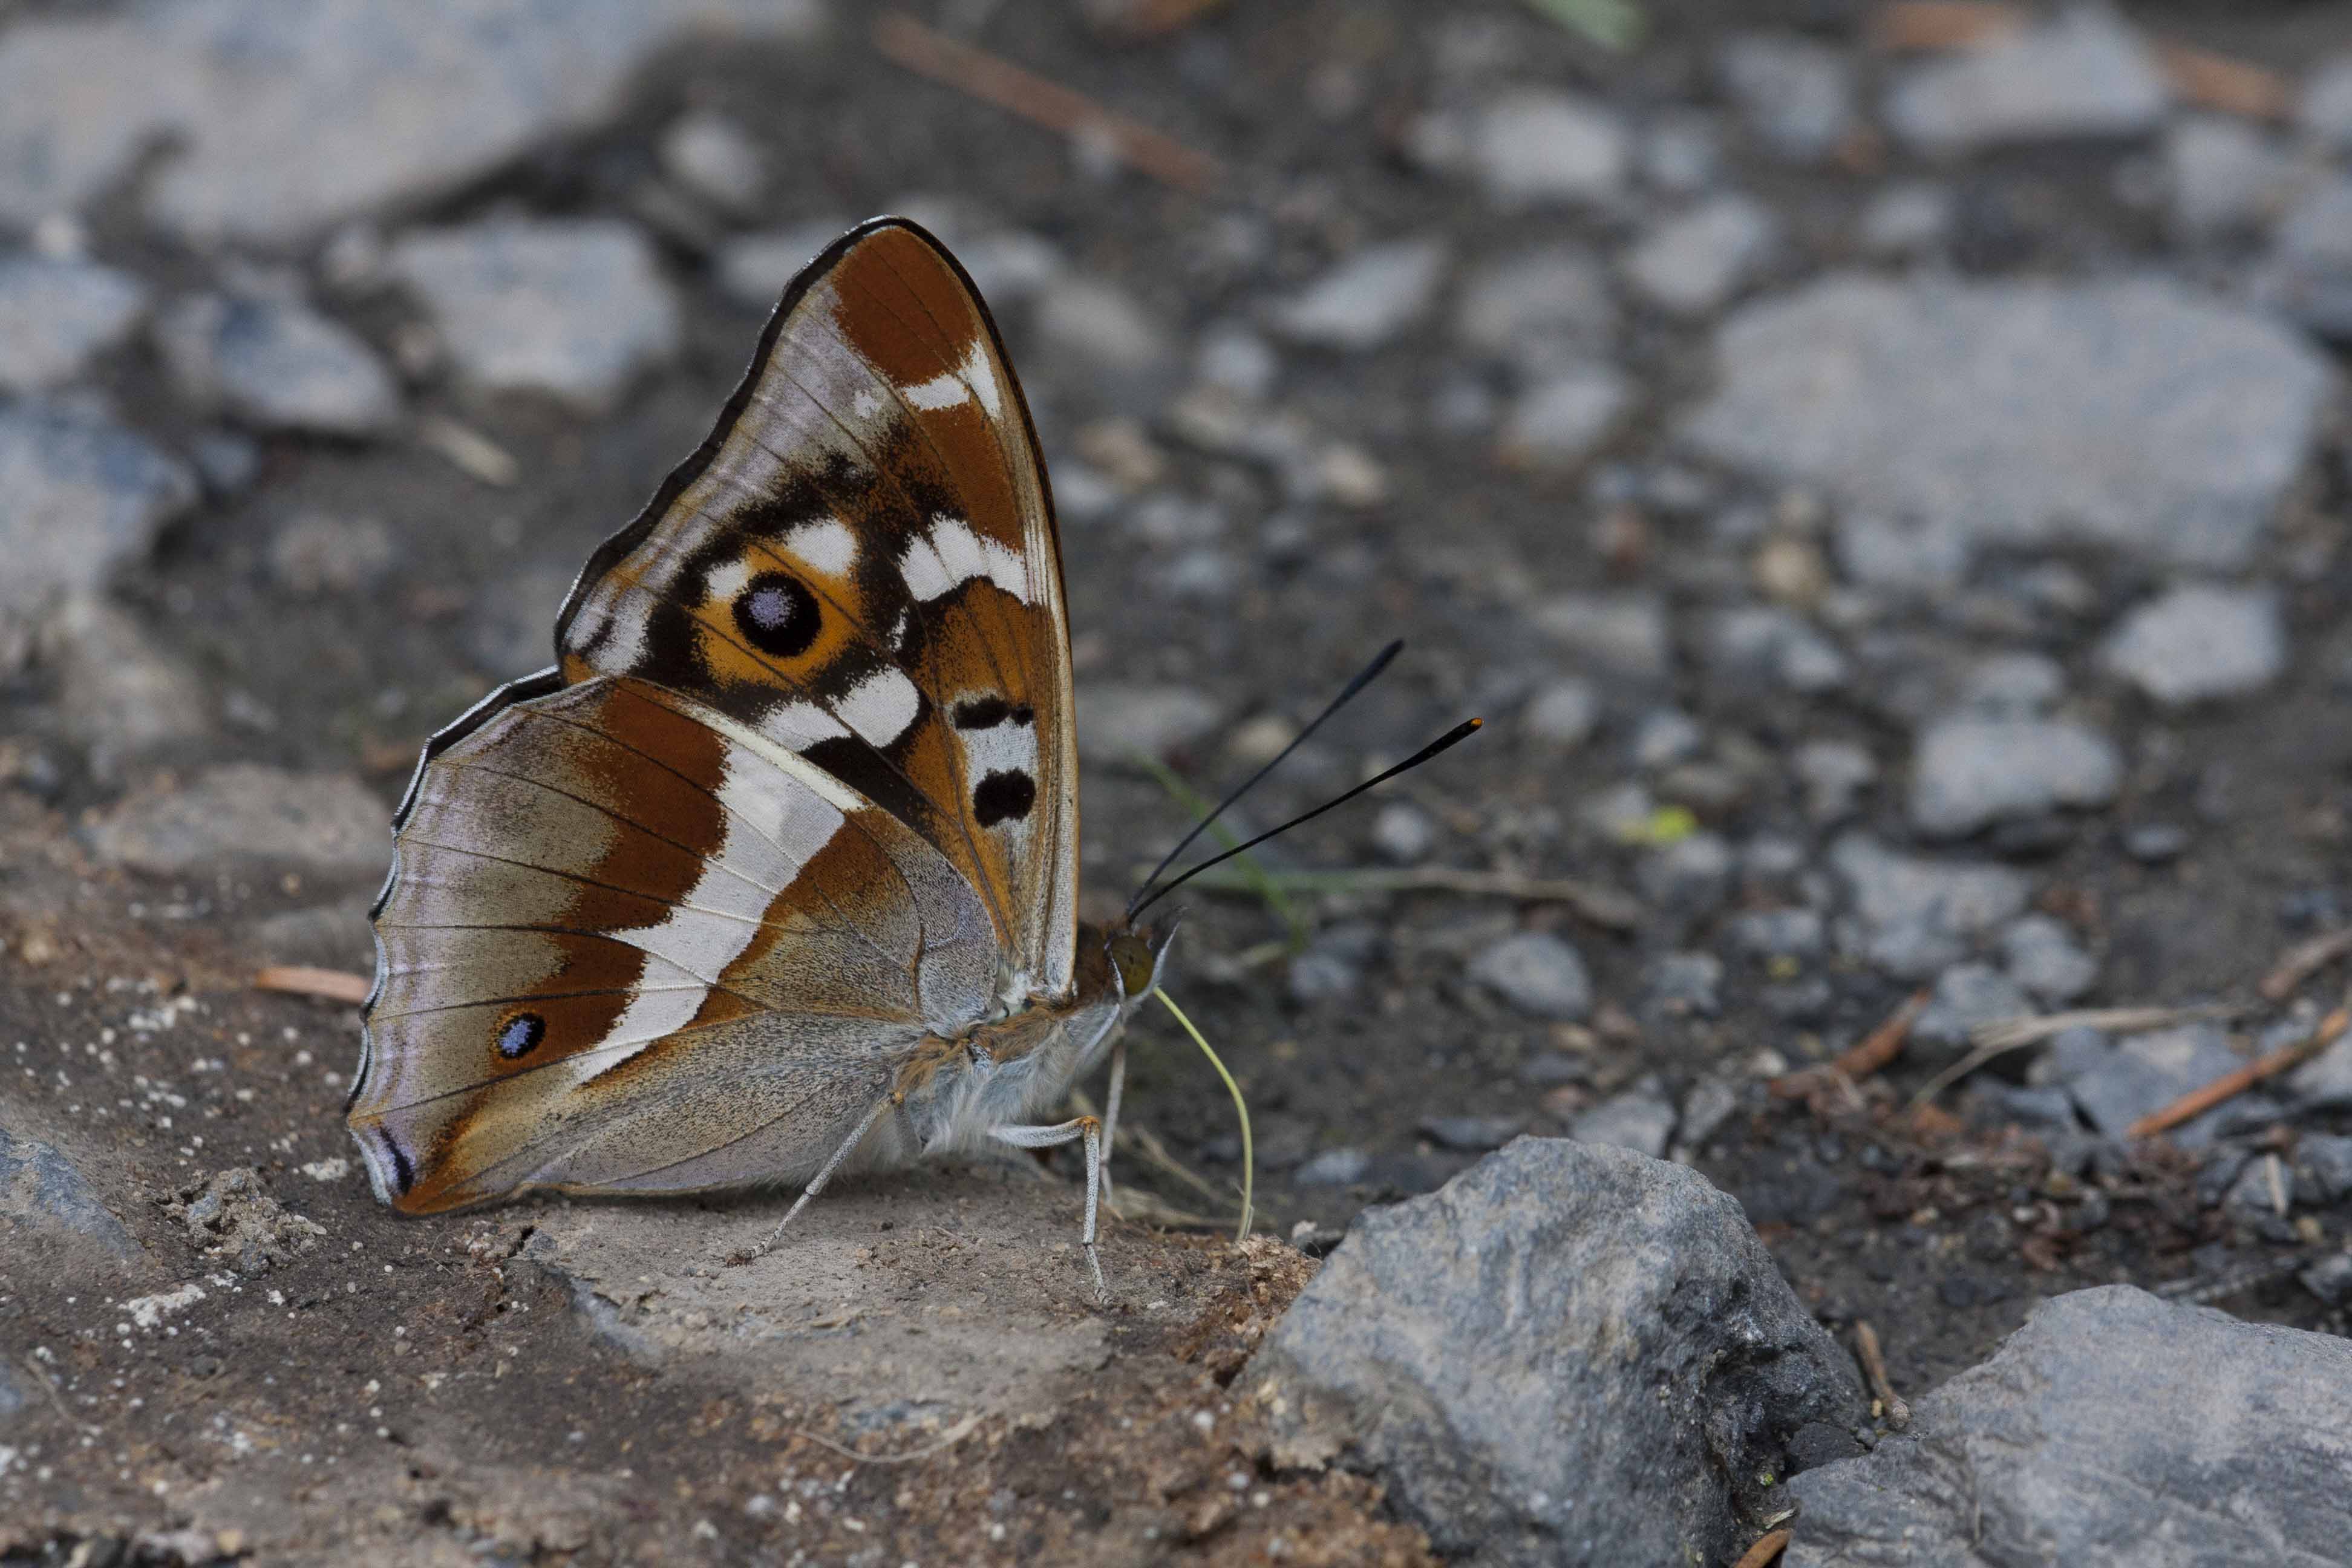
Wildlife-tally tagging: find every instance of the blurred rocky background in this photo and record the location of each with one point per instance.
(1879, 467)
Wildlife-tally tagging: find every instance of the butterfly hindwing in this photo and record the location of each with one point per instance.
(861, 565)
(630, 945)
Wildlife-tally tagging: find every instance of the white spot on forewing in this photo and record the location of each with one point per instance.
(943, 391)
(799, 725)
(981, 376)
(951, 554)
(880, 707)
(999, 749)
(827, 545)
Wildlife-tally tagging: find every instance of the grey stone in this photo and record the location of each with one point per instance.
(1333, 1168)
(277, 365)
(1540, 305)
(2083, 73)
(2316, 233)
(1712, 1101)
(121, 693)
(569, 307)
(1332, 967)
(1537, 974)
(85, 495)
(2046, 1111)
(2072, 1053)
(41, 1191)
(1233, 359)
(2225, 177)
(1622, 634)
(2013, 684)
(754, 270)
(1692, 263)
(1680, 153)
(2323, 109)
(708, 154)
(2199, 643)
(2113, 1429)
(1569, 1353)
(1664, 736)
(328, 936)
(1092, 324)
(1118, 720)
(57, 316)
(1685, 983)
(2156, 843)
(2130, 413)
(2330, 1278)
(287, 119)
(1918, 916)
(1835, 773)
(1403, 834)
(2324, 1163)
(1796, 96)
(1561, 420)
(1779, 933)
(1746, 642)
(1533, 147)
(2042, 955)
(1367, 300)
(1689, 877)
(1561, 713)
(1902, 556)
(1470, 1134)
(1969, 772)
(1967, 994)
(1908, 218)
(1640, 1119)
(2324, 1082)
(2147, 1072)
(241, 815)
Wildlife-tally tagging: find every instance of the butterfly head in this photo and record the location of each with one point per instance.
(1137, 954)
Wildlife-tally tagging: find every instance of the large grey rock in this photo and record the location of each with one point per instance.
(1538, 974)
(1918, 916)
(1690, 263)
(1795, 95)
(41, 1191)
(57, 316)
(571, 307)
(2114, 1430)
(1568, 1354)
(2199, 643)
(84, 495)
(2129, 412)
(285, 116)
(243, 816)
(1968, 772)
(277, 363)
(1368, 299)
(2085, 73)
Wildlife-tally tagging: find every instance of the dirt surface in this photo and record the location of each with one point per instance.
(918, 1375)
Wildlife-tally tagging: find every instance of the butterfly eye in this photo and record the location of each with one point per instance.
(1132, 957)
(777, 614)
(521, 1035)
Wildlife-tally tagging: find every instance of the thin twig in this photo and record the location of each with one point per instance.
(2198, 1101)
(2204, 80)
(301, 980)
(468, 450)
(1766, 1550)
(2303, 959)
(1936, 24)
(955, 1434)
(1873, 1366)
(998, 81)
(1869, 1054)
(1601, 906)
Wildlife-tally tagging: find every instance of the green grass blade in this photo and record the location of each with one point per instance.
(1241, 1108)
(1611, 24)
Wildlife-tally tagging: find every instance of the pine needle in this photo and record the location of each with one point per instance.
(1249, 1163)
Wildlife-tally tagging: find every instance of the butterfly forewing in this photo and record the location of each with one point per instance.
(861, 565)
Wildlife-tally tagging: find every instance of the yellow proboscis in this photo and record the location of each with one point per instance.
(1249, 1163)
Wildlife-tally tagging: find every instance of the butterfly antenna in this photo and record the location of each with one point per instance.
(1371, 673)
(1460, 733)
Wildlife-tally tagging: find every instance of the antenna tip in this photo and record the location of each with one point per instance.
(1478, 723)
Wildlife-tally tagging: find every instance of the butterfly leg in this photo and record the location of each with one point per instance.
(816, 1184)
(1090, 1129)
(1111, 1107)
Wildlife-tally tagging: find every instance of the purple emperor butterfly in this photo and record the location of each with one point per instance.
(774, 873)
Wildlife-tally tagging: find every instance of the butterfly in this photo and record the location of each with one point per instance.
(774, 873)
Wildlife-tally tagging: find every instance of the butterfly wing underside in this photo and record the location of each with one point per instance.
(798, 794)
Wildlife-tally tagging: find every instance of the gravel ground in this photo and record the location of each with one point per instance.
(1889, 505)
